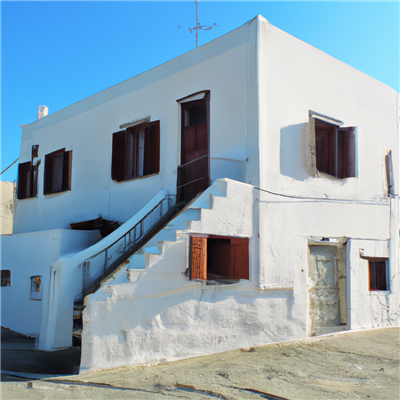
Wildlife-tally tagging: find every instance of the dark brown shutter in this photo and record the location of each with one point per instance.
(66, 173)
(325, 147)
(34, 182)
(24, 177)
(118, 156)
(198, 258)
(347, 152)
(48, 174)
(240, 258)
(152, 148)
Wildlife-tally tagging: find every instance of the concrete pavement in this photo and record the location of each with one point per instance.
(349, 365)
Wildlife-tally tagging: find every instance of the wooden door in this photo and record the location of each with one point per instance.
(193, 173)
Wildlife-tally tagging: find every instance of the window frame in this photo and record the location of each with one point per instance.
(63, 181)
(385, 278)
(6, 279)
(27, 187)
(28, 176)
(36, 287)
(339, 159)
(200, 249)
(128, 161)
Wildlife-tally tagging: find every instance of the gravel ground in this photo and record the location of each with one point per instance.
(351, 365)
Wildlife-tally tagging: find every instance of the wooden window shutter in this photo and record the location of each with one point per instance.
(118, 156)
(198, 258)
(240, 258)
(24, 177)
(325, 147)
(152, 148)
(346, 152)
(48, 174)
(34, 182)
(66, 173)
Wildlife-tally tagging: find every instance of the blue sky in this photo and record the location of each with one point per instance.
(57, 53)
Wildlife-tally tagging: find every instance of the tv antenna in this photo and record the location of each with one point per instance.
(198, 26)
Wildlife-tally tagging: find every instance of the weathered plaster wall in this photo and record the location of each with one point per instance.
(294, 78)
(222, 66)
(304, 78)
(153, 313)
(65, 282)
(30, 254)
(7, 207)
(372, 309)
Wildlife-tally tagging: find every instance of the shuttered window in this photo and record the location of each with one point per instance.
(136, 152)
(5, 277)
(335, 149)
(57, 171)
(27, 184)
(219, 258)
(377, 274)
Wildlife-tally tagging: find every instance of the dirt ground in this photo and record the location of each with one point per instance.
(350, 365)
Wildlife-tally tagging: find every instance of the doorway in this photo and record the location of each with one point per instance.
(193, 173)
(327, 289)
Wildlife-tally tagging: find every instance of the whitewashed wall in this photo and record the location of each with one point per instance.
(86, 128)
(7, 207)
(156, 314)
(295, 78)
(30, 254)
(372, 309)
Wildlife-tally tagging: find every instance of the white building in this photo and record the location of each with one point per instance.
(295, 233)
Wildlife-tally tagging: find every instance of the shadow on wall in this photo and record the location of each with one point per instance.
(295, 156)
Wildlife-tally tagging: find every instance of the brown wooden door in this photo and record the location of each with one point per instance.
(193, 173)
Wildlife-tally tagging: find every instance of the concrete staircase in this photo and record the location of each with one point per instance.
(187, 221)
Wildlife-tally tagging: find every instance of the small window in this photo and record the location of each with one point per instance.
(377, 274)
(57, 171)
(335, 149)
(221, 259)
(27, 180)
(36, 287)
(5, 277)
(136, 152)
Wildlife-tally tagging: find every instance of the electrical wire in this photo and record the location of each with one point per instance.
(1, 173)
(323, 198)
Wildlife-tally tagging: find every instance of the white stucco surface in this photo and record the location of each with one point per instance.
(221, 66)
(154, 314)
(65, 284)
(31, 254)
(263, 84)
(7, 207)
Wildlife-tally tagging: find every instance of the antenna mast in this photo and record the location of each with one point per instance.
(198, 26)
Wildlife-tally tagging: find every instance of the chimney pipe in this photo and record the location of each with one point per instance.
(42, 111)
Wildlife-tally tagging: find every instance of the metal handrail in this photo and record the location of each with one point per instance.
(193, 161)
(130, 238)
